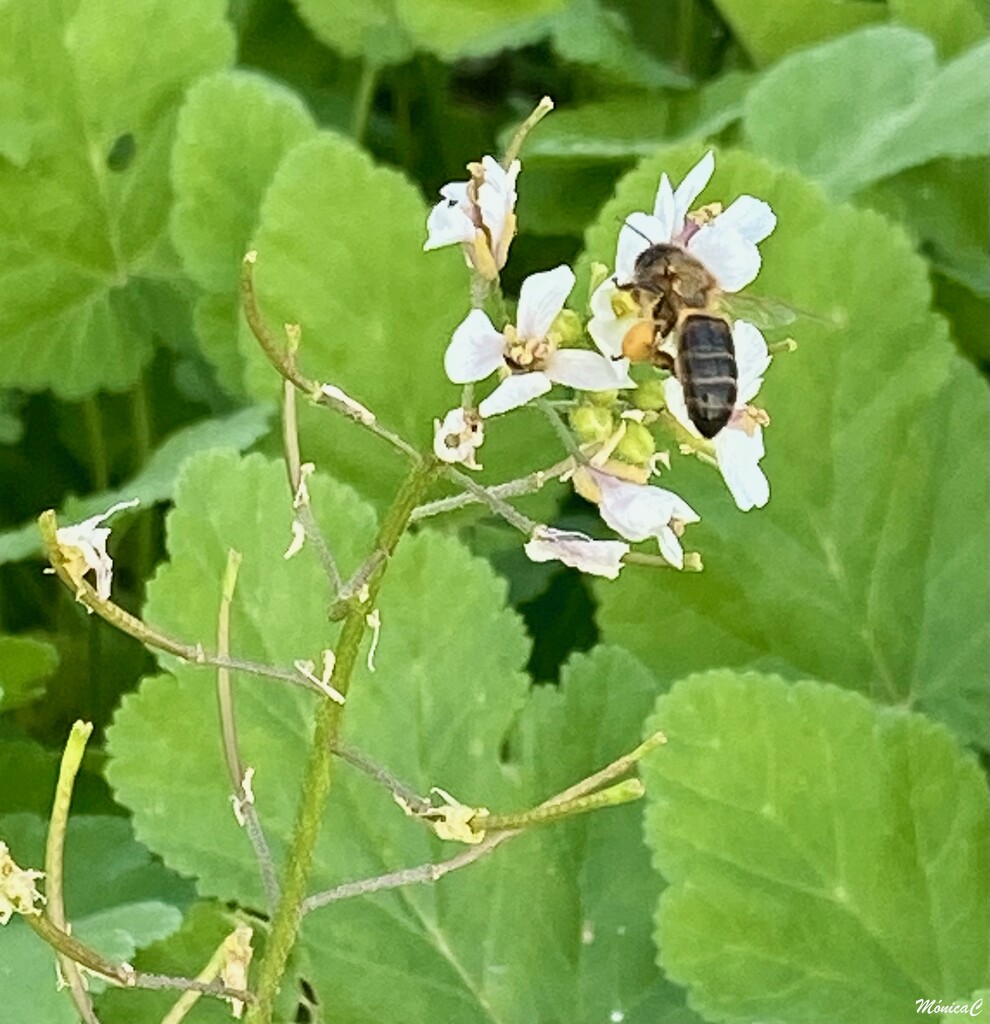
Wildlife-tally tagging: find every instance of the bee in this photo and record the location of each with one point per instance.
(683, 298)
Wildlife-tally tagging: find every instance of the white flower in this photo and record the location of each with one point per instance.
(739, 445)
(458, 437)
(87, 542)
(18, 894)
(479, 214)
(726, 244)
(637, 511)
(528, 352)
(597, 557)
(614, 316)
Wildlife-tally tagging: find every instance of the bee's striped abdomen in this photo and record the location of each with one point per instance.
(706, 368)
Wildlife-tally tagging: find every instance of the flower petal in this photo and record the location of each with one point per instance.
(691, 187)
(752, 359)
(739, 455)
(635, 511)
(638, 232)
(751, 217)
(670, 547)
(734, 260)
(541, 298)
(457, 437)
(475, 350)
(515, 391)
(673, 396)
(497, 197)
(447, 224)
(663, 208)
(598, 557)
(587, 371)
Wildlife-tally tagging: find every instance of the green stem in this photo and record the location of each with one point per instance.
(319, 770)
(365, 96)
(143, 442)
(620, 793)
(54, 860)
(96, 441)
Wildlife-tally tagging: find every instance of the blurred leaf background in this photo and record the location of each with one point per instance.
(145, 146)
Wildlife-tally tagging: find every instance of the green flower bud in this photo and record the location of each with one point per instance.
(592, 423)
(567, 326)
(637, 444)
(649, 395)
(598, 273)
(603, 398)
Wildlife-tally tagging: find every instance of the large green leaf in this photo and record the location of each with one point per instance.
(769, 29)
(340, 253)
(233, 130)
(117, 899)
(954, 25)
(867, 568)
(358, 28)
(86, 195)
(827, 860)
(907, 111)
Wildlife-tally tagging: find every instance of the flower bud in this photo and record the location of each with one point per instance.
(567, 327)
(603, 398)
(593, 424)
(649, 395)
(637, 444)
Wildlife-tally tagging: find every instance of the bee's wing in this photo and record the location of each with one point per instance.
(767, 313)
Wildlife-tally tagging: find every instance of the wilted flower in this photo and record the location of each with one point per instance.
(739, 445)
(637, 511)
(597, 557)
(479, 214)
(528, 352)
(84, 547)
(236, 958)
(18, 894)
(458, 437)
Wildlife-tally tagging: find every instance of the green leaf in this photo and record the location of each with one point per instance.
(867, 567)
(943, 204)
(25, 664)
(590, 34)
(117, 899)
(634, 126)
(954, 25)
(86, 199)
(908, 110)
(768, 29)
(826, 860)
(340, 253)
(29, 773)
(233, 130)
(358, 28)
(462, 28)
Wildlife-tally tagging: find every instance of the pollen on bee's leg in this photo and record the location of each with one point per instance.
(637, 345)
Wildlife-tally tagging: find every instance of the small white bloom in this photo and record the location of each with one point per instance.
(739, 445)
(87, 549)
(479, 214)
(18, 894)
(527, 353)
(726, 244)
(597, 557)
(458, 437)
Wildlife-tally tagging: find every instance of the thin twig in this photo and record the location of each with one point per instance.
(567, 439)
(327, 395)
(148, 635)
(123, 974)
(54, 862)
(515, 146)
(434, 872)
(244, 808)
(399, 790)
(529, 484)
(502, 508)
(300, 495)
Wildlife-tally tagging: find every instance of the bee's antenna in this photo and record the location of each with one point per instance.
(641, 234)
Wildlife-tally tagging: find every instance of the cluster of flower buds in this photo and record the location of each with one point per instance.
(631, 322)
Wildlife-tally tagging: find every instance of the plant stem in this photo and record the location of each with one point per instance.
(123, 620)
(54, 861)
(515, 146)
(96, 441)
(620, 793)
(365, 98)
(319, 770)
(244, 809)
